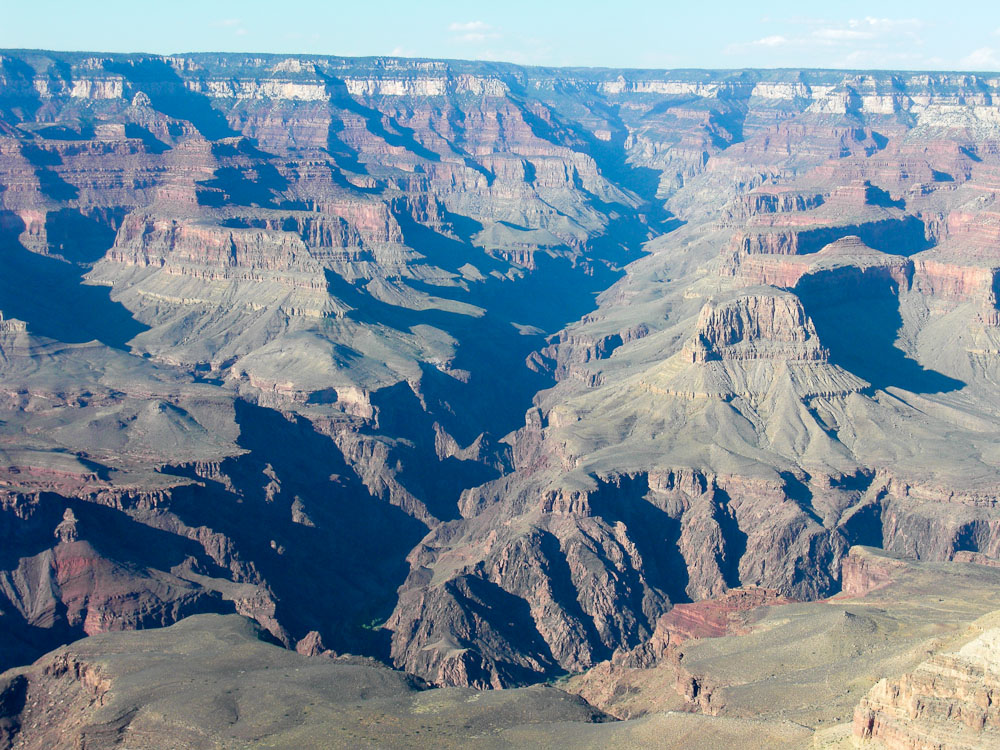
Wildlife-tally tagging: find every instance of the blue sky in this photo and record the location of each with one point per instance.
(626, 33)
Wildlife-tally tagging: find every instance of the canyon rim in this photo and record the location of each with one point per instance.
(401, 402)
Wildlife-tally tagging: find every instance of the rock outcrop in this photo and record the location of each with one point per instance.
(483, 369)
(948, 702)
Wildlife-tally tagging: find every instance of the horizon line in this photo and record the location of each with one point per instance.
(138, 53)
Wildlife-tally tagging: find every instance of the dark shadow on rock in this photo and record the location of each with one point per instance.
(437, 481)
(53, 186)
(500, 385)
(565, 593)
(120, 538)
(734, 540)
(797, 490)
(50, 183)
(62, 132)
(974, 536)
(13, 698)
(970, 151)
(880, 141)
(856, 313)
(904, 236)
(112, 542)
(246, 176)
(876, 196)
(859, 481)
(22, 643)
(258, 185)
(509, 617)
(622, 240)
(49, 294)
(344, 155)
(653, 531)
(464, 227)
(376, 122)
(628, 227)
(610, 155)
(38, 156)
(27, 531)
(19, 99)
(338, 573)
(865, 526)
(168, 94)
(439, 249)
(725, 123)
(79, 238)
(153, 144)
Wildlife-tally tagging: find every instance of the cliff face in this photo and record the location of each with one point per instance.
(296, 309)
(947, 702)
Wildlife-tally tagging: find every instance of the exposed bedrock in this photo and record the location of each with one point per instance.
(903, 236)
(478, 368)
(948, 702)
(688, 534)
(592, 558)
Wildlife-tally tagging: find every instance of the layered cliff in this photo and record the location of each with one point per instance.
(273, 325)
(948, 701)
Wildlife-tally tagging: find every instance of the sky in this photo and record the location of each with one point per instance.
(619, 34)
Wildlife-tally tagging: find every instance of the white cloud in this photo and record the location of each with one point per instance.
(873, 41)
(885, 24)
(984, 58)
(473, 31)
(479, 26)
(233, 25)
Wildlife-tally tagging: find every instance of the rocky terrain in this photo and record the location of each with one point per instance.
(811, 663)
(495, 374)
(947, 701)
(120, 690)
(751, 672)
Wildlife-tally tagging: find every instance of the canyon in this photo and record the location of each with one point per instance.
(503, 376)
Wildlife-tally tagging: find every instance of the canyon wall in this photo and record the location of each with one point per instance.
(476, 368)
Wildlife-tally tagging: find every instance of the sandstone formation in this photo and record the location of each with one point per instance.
(749, 655)
(493, 373)
(947, 702)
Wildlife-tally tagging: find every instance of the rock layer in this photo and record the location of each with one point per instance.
(947, 702)
(477, 368)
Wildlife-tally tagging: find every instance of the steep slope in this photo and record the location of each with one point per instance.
(946, 702)
(805, 365)
(296, 309)
(752, 654)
